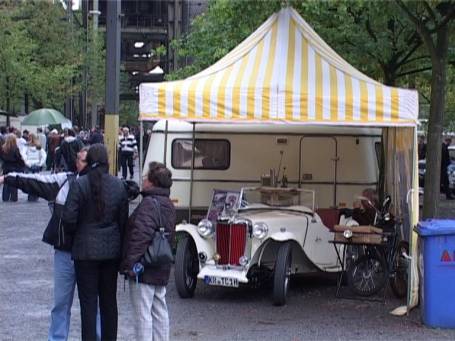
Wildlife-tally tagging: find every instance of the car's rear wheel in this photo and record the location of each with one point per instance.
(186, 267)
(282, 274)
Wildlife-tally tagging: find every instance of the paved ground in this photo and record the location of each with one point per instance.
(214, 314)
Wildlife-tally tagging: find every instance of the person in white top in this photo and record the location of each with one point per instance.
(34, 157)
(42, 139)
(21, 142)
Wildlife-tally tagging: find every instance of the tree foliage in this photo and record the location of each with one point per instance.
(15, 57)
(434, 20)
(95, 62)
(43, 55)
(217, 31)
(56, 55)
(372, 35)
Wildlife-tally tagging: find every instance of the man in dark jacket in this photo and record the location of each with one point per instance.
(96, 136)
(53, 142)
(148, 296)
(68, 151)
(54, 188)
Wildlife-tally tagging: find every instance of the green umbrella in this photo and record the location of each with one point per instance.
(43, 117)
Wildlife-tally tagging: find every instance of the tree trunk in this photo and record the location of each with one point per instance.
(26, 103)
(390, 76)
(436, 119)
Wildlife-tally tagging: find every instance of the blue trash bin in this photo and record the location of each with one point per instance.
(438, 273)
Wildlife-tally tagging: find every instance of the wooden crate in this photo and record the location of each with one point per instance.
(358, 229)
(360, 238)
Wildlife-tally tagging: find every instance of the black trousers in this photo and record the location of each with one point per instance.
(33, 170)
(126, 158)
(97, 281)
(9, 193)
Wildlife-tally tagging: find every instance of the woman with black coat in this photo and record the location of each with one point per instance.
(96, 211)
(148, 295)
(12, 162)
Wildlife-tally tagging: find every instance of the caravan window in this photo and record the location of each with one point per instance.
(209, 154)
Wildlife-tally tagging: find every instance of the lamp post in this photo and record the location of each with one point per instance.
(94, 13)
(111, 121)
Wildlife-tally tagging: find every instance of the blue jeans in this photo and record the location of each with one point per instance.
(64, 285)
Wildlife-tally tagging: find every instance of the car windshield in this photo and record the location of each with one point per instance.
(256, 197)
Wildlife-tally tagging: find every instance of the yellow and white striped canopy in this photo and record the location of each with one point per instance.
(283, 72)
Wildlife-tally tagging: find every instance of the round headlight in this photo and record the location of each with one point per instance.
(260, 230)
(243, 261)
(205, 228)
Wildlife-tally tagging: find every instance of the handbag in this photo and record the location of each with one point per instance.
(159, 252)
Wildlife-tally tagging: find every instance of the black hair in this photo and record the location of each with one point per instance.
(98, 164)
(159, 175)
(3, 130)
(132, 188)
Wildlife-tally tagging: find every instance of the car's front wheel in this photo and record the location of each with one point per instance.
(282, 274)
(186, 267)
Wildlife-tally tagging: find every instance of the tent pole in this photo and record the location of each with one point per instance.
(413, 281)
(166, 128)
(193, 147)
(141, 153)
(335, 179)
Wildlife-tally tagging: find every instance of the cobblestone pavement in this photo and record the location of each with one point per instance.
(214, 314)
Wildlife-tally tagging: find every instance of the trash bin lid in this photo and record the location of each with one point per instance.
(436, 227)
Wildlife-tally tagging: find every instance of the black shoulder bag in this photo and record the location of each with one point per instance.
(159, 252)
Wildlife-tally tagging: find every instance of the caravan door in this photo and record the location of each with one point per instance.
(318, 168)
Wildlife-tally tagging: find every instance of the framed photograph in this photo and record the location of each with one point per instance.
(224, 203)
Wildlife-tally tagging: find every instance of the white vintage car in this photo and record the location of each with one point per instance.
(259, 233)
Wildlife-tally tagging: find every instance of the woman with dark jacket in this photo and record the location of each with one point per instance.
(12, 162)
(148, 295)
(96, 211)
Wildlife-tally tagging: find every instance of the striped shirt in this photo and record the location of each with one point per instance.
(127, 143)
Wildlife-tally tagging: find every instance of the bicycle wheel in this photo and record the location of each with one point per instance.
(399, 278)
(367, 275)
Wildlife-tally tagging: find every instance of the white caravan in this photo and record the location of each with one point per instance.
(336, 162)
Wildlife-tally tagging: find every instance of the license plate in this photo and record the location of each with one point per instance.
(221, 281)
